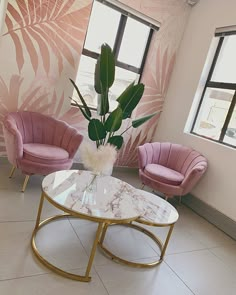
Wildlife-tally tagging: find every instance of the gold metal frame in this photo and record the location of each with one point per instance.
(100, 234)
(158, 242)
(25, 183)
(13, 169)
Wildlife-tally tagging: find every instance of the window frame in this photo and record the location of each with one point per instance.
(118, 42)
(213, 84)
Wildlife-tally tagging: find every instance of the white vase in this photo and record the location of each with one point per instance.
(90, 192)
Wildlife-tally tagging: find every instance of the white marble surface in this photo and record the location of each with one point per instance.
(111, 198)
(156, 210)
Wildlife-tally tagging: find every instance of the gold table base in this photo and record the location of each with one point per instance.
(98, 241)
(82, 278)
(157, 241)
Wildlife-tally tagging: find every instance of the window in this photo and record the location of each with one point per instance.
(216, 115)
(127, 35)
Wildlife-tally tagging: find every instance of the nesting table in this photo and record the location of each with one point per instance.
(112, 202)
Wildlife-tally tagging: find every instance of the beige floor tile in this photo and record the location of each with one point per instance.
(122, 241)
(206, 233)
(227, 254)
(58, 243)
(15, 183)
(51, 284)
(16, 258)
(203, 272)
(125, 280)
(200, 259)
(180, 241)
(16, 206)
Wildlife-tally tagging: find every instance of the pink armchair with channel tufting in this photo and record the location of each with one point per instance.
(171, 169)
(38, 144)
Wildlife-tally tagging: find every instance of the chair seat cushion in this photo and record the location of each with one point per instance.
(44, 153)
(163, 174)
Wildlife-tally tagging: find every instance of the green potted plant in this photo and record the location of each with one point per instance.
(104, 130)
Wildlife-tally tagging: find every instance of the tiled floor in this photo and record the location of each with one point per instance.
(200, 259)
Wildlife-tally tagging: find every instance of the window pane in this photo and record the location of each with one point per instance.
(85, 82)
(230, 136)
(213, 112)
(133, 43)
(103, 25)
(226, 63)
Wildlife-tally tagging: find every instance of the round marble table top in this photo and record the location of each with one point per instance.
(111, 199)
(156, 211)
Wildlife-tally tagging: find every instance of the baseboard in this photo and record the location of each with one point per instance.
(215, 217)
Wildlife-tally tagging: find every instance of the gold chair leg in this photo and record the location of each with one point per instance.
(12, 171)
(142, 186)
(25, 183)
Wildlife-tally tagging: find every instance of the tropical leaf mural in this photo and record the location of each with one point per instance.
(44, 28)
(156, 80)
(13, 97)
(47, 38)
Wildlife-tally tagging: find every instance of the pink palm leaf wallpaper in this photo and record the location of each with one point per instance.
(14, 98)
(156, 80)
(42, 28)
(43, 41)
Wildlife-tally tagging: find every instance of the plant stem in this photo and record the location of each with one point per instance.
(126, 129)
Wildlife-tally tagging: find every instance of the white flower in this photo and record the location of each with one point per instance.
(100, 160)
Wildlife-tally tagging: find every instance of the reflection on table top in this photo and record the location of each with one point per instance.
(112, 199)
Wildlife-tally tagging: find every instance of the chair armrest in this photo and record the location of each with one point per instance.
(145, 155)
(192, 177)
(13, 141)
(74, 143)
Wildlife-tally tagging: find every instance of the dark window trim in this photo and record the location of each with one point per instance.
(126, 13)
(216, 84)
(222, 34)
(118, 41)
(214, 140)
(120, 64)
(146, 52)
(119, 37)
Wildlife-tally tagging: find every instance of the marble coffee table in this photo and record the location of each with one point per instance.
(112, 202)
(155, 212)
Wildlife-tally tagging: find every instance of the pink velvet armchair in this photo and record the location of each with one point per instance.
(171, 169)
(38, 144)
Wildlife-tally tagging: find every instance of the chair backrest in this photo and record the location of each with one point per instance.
(174, 156)
(38, 128)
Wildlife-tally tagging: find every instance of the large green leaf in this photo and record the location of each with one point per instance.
(107, 67)
(86, 108)
(97, 80)
(104, 78)
(130, 98)
(96, 130)
(114, 120)
(81, 109)
(137, 122)
(122, 99)
(116, 140)
(103, 103)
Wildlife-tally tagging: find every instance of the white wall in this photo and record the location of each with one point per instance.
(218, 186)
(3, 5)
